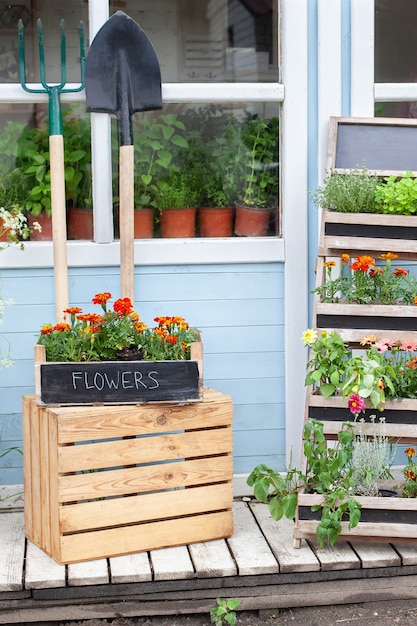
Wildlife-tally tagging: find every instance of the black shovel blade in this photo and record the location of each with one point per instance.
(122, 73)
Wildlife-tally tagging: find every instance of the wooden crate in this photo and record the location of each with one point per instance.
(382, 519)
(110, 480)
(135, 382)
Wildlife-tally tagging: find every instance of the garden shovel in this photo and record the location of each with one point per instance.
(122, 77)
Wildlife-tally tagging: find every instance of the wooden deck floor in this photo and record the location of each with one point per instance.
(258, 565)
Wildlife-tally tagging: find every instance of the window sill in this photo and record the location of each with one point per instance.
(196, 251)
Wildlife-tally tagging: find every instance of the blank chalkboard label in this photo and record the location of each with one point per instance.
(119, 381)
(383, 145)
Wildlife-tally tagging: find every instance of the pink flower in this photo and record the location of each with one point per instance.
(381, 346)
(409, 345)
(356, 404)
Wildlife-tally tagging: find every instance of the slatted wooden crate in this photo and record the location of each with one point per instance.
(110, 480)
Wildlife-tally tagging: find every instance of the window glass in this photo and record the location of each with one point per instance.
(213, 156)
(396, 51)
(210, 40)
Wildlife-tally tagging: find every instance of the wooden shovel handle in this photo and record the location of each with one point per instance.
(59, 224)
(126, 187)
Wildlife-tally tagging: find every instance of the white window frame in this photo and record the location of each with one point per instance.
(147, 252)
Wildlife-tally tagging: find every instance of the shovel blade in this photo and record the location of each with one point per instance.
(122, 72)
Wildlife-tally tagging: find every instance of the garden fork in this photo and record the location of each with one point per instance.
(56, 153)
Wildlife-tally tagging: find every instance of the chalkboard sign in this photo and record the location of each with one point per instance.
(384, 145)
(120, 382)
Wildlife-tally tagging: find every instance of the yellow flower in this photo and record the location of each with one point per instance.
(369, 339)
(329, 264)
(309, 337)
(388, 256)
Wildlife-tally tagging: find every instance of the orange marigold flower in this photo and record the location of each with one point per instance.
(101, 298)
(375, 271)
(172, 339)
(409, 452)
(47, 329)
(388, 256)
(415, 301)
(329, 264)
(62, 327)
(73, 310)
(399, 271)
(362, 263)
(409, 474)
(123, 306)
(140, 327)
(345, 258)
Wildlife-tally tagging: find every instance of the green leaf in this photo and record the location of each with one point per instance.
(289, 505)
(275, 508)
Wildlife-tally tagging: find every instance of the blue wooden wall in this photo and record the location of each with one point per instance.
(239, 309)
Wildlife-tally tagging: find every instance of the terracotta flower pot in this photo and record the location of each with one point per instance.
(252, 221)
(46, 224)
(178, 222)
(3, 235)
(80, 223)
(216, 221)
(143, 223)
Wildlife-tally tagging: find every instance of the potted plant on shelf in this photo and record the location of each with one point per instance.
(220, 183)
(258, 176)
(157, 142)
(348, 199)
(177, 200)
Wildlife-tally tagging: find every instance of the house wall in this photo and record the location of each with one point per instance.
(239, 309)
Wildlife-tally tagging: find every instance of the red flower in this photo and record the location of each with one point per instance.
(62, 327)
(399, 271)
(123, 306)
(101, 298)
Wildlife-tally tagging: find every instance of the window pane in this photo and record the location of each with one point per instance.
(211, 40)
(396, 51)
(206, 156)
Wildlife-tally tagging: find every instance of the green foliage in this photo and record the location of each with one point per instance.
(176, 192)
(372, 458)
(157, 144)
(398, 195)
(350, 192)
(224, 612)
(327, 472)
(258, 163)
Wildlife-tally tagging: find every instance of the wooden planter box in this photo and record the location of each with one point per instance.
(342, 232)
(104, 382)
(382, 519)
(174, 487)
(354, 321)
(400, 415)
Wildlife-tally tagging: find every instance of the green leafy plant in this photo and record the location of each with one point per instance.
(220, 178)
(258, 163)
(116, 334)
(157, 143)
(333, 368)
(177, 192)
(398, 195)
(362, 281)
(224, 612)
(349, 192)
(328, 472)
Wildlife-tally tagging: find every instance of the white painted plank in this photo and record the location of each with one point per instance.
(279, 535)
(338, 557)
(376, 554)
(171, 563)
(130, 568)
(408, 553)
(212, 559)
(12, 551)
(88, 573)
(248, 546)
(11, 497)
(42, 572)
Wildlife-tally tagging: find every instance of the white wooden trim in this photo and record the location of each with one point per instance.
(171, 92)
(39, 254)
(295, 214)
(395, 92)
(362, 59)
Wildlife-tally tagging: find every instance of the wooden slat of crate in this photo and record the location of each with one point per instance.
(169, 484)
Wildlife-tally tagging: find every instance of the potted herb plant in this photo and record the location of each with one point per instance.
(157, 142)
(177, 200)
(258, 176)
